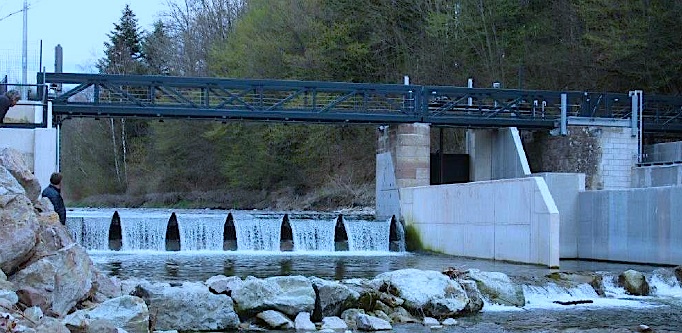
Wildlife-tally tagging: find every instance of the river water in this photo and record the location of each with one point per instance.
(617, 312)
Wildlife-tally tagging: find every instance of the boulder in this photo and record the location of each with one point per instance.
(349, 315)
(391, 300)
(475, 298)
(52, 236)
(334, 297)
(429, 291)
(634, 283)
(52, 325)
(18, 224)
(276, 320)
(190, 307)
(381, 306)
(382, 315)
(65, 278)
(449, 322)
(287, 294)
(8, 299)
(33, 314)
(221, 284)
(33, 297)
(678, 274)
(15, 163)
(498, 288)
(570, 280)
(368, 293)
(303, 322)
(106, 287)
(370, 323)
(127, 312)
(333, 323)
(400, 315)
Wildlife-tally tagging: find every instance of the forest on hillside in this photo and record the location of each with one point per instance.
(592, 45)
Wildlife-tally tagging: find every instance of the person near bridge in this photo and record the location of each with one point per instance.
(54, 193)
(8, 100)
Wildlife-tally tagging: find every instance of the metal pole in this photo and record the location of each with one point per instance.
(59, 129)
(470, 84)
(564, 114)
(634, 100)
(641, 127)
(24, 53)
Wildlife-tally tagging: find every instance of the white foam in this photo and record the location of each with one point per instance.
(313, 235)
(543, 297)
(368, 235)
(201, 232)
(254, 234)
(665, 286)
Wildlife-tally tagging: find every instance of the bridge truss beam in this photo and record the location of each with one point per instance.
(100, 95)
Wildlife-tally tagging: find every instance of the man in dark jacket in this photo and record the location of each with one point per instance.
(7, 101)
(54, 193)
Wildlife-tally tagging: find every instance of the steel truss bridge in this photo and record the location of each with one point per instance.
(98, 95)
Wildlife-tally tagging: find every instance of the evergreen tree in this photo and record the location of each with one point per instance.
(123, 52)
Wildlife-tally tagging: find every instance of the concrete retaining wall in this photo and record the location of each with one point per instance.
(496, 154)
(657, 175)
(38, 147)
(663, 152)
(565, 188)
(632, 225)
(511, 219)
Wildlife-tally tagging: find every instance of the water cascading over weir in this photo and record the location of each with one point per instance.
(149, 230)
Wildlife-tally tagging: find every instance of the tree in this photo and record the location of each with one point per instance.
(123, 52)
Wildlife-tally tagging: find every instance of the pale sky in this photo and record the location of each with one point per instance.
(79, 26)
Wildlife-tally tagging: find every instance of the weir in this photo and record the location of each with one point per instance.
(503, 212)
(136, 230)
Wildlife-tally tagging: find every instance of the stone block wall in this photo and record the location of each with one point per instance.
(409, 146)
(606, 155)
(619, 157)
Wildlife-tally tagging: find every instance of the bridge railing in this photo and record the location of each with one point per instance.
(96, 95)
(212, 98)
(31, 110)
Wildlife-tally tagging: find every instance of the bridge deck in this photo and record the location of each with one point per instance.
(98, 95)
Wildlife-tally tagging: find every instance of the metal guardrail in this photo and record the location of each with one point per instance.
(35, 93)
(99, 95)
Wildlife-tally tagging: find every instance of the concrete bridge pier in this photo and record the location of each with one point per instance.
(403, 160)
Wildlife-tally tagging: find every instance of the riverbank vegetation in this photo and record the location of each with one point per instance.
(595, 45)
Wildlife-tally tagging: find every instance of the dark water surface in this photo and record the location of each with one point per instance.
(199, 266)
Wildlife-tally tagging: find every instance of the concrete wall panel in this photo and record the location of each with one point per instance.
(633, 225)
(512, 219)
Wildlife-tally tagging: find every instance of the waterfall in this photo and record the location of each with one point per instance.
(257, 234)
(201, 232)
(91, 232)
(75, 227)
(143, 233)
(95, 233)
(313, 235)
(367, 235)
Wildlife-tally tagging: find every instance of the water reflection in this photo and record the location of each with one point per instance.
(175, 266)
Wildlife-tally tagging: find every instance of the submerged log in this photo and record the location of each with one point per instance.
(585, 301)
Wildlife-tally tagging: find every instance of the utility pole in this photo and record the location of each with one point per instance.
(24, 54)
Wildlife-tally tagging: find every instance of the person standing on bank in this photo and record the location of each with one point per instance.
(54, 193)
(8, 100)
